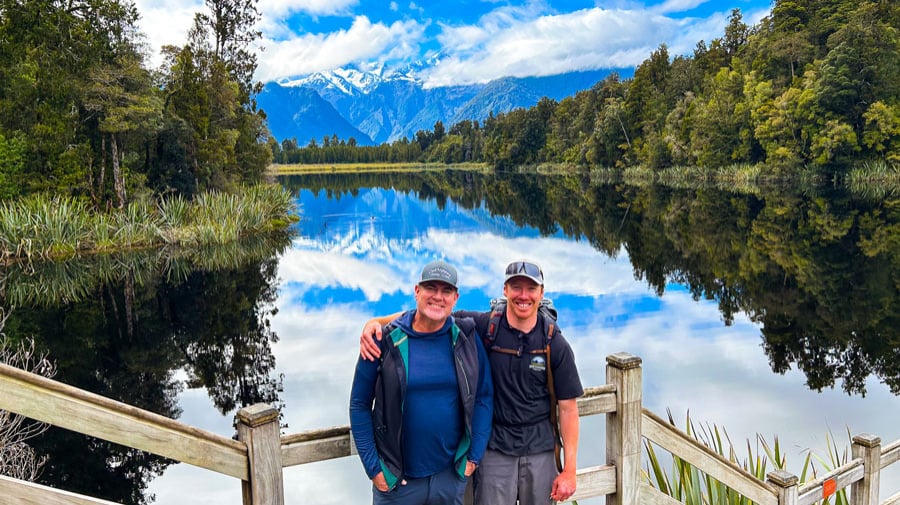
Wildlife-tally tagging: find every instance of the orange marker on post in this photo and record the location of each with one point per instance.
(828, 488)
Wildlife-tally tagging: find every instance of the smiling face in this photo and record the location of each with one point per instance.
(523, 297)
(434, 303)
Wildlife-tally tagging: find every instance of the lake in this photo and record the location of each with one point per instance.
(770, 312)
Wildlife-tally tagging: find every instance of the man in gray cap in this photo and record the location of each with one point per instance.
(533, 370)
(428, 367)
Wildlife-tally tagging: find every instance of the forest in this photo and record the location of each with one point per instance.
(814, 86)
(82, 114)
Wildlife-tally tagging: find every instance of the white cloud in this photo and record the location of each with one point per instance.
(313, 7)
(677, 6)
(515, 45)
(526, 40)
(166, 22)
(363, 41)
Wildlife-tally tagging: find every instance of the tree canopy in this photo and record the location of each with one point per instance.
(82, 114)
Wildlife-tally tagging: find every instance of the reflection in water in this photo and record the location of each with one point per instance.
(122, 326)
(714, 290)
(819, 272)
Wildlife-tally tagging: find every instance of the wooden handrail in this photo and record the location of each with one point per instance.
(890, 453)
(68, 407)
(28, 493)
(61, 405)
(841, 477)
(331, 443)
(706, 460)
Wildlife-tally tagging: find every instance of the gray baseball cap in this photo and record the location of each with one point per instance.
(439, 271)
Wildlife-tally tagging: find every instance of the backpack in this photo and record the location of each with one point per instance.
(548, 311)
(498, 309)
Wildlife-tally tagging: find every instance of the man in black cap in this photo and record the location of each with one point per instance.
(432, 367)
(533, 368)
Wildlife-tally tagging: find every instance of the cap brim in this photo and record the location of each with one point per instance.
(442, 281)
(533, 279)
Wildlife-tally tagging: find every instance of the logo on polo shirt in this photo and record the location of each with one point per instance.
(538, 364)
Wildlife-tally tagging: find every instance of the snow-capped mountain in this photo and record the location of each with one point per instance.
(378, 105)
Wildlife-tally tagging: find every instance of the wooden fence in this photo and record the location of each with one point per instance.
(259, 455)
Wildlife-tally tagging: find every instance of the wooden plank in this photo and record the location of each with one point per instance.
(308, 451)
(258, 427)
(706, 460)
(334, 442)
(623, 427)
(890, 454)
(20, 492)
(61, 405)
(598, 400)
(842, 476)
(652, 496)
(594, 481)
(865, 490)
(892, 500)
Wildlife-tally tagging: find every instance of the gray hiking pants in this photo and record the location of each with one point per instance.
(501, 479)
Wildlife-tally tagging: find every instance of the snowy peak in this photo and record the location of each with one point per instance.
(350, 81)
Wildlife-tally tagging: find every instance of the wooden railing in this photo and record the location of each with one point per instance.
(261, 453)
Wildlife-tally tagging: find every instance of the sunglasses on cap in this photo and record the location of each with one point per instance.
(525, 268)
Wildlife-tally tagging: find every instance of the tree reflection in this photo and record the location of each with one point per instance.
(818, 269)
(123, 332)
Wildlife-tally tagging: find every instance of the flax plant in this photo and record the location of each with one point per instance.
(687, 484)
(875, 180)
(59, 227)
(38, 226)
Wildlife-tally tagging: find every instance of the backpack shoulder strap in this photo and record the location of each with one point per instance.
(498, 308)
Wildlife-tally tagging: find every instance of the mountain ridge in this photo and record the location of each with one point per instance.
(381, 106)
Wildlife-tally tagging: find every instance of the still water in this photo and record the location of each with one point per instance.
(771, 314)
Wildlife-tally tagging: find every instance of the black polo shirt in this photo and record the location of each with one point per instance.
(521, 399)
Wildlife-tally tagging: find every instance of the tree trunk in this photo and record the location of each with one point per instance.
(102, 178)
(118, 178)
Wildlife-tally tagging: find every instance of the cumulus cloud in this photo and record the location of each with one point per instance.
(532, 39)
(511, 44)
(363, 41)
(166, 22)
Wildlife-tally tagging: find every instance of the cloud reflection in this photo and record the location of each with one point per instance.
(692, 362)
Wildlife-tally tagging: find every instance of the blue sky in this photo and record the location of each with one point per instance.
(468, 41)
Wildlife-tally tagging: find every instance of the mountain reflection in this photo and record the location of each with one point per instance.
(816, 271)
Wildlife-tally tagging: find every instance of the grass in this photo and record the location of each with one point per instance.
(877, 179)
(684, 482)
(41, 226)
(319, 168)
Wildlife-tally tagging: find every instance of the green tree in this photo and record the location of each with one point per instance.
(210, 86)
(122, 97)
(882, 130)
(48, 50)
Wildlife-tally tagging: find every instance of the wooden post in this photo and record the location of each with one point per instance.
(258, 427)
(865, 491)
(786, 483)
(623, 428)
